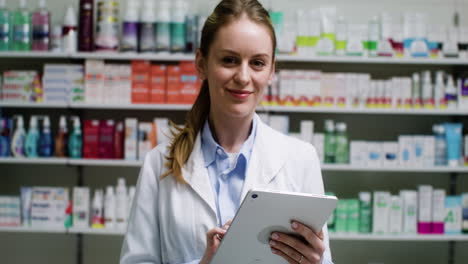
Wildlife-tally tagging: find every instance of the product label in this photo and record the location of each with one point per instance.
(163, 36)
(147, 37)
(41, 32)
(129, 36)
(177, 37)
(4, 32)
(21, 33)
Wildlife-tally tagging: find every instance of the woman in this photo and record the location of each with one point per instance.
(189, 190)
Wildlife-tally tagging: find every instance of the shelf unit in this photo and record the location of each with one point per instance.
(453, 172)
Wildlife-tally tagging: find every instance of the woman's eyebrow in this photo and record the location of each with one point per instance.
(235, 53)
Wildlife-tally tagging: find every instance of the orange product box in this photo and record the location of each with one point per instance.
(141, 82)
(158, 84)
(173, 95)
(190, 83)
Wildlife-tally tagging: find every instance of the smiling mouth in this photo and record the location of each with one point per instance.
(239, 91)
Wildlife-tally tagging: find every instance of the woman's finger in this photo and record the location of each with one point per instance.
(284, 256)
(300, 246)
(315, 240)
(287, 250)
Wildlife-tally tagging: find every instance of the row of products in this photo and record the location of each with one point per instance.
(425, 211)
(349, 90)
(51, 207)
(97, 139)
(99, 83)
(145, 27)
(324, 32)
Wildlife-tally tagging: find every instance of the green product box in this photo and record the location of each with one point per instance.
(341, 222)
(353, 215)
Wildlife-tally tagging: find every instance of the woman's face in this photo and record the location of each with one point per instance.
(238, 68)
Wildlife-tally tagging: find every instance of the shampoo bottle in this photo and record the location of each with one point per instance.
(61, 141)
(21, 39)
(178, 26)
(69, 31)
(148, 19)
(85, 29)
(440, 145)
(129, 41)
(163, 27)
(122, 202)
(97, 218)
(109, 208)
(342, 144)
(41, 28)
(75, 143)
(451, 93)
(5, 127)
(45, 139)
(17, 142)
(119, 141)
(4, 27)
(107, 25)
(32, 139)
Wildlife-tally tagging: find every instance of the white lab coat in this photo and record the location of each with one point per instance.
(169, 221)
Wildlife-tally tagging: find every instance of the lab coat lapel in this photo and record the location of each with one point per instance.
(268, 157)
(196, 175)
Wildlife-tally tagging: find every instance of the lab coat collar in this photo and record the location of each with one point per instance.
(267, 158)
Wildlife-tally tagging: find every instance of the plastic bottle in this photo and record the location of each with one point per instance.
(5, 29)
(17, 142)
(61, 140)
(5, 143)
(330, 141)
(439, 91)
(131, 196)
(163, 27)
(416, 91)
(107, 28)
(341, 36)
(109, 208)
(122, 202)
(32, 139)
(56, 42)
(119, 139)
(365, 213)
(45, 139)
(440, 145)
(97, 218)
(41, 27)
(85, 29)
(191, 33)
(374, 36)
(451, 93)
(179, 12)
(69, 31)
(129, 41)
(342, 144)
(427, 90)
(75, 142)
(147, 27)
(21, 31)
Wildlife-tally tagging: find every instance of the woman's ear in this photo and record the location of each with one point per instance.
(200, 64)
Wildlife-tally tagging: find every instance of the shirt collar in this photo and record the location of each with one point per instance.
(210, 146)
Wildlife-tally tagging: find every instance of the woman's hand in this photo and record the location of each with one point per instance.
(293, 250)
(213, 239)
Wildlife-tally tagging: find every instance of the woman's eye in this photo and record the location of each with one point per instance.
(229, 60)
(258, 63)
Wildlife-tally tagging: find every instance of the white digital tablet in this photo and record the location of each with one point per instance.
(263, 212)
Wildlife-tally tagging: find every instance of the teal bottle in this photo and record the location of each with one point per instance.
(75, 142)
(21, 28)
(32, 139)
(5, 29)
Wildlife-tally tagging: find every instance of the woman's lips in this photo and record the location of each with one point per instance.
(240, 94)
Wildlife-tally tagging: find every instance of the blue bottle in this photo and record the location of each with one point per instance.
(32, 139)
(440, 145)
(45, 140)
(5, 128)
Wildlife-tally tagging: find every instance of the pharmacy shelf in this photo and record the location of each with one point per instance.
(32, 105)
(162, 107)
(21, 229)
(34, 54)
(133, 56)
(431, 169)
(374, 237)
(91, 231)
(305, 109)
(104, 163)
(38, 161)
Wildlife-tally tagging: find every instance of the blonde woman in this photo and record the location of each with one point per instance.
(189, 190)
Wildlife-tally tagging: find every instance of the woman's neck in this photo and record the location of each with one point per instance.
(230, 132)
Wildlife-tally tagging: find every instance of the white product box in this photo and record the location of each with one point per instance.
(328, 86)
(81, 207)
(396, 215)
(438, 206)
(418, 151)
(10, 211)
(287, 85)
(390, 154)
(307, 131)
(358, 153)
(429, 151)
(280, 123)
(397, 92)
(340, 90)
(301, 89)
(131, 139)
(381, 210)
(125, 84)
(406, 147)
(110, 90)
(319, 143)
(364, 88)
(374, 154)
(453, 215)
(407, 94)
(352, 90)
(144, 139)
(48, 207)
(94, 81)
(163, 133)
(410, 211)
(314, 86)
(425, 204)
(389, 88)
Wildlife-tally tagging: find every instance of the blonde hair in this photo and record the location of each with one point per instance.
(184, 137)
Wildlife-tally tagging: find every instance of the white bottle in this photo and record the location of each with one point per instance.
(70, 34)
(439, 91)
(109, 209)
(427, 90)
(131, 195)
(451, 93)
(341, 36)
(97, 218)
(122, 203)
(17, 142)
(107, 25)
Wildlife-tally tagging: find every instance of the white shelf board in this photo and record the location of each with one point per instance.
(34, 54)
(39, 161)
(32, 105)
(367, 60)
(134, 56)
(166, 107)
(433, 169)
(105, 163)
(305, 109)
(374, 237)
(21, 229)
(91, 231)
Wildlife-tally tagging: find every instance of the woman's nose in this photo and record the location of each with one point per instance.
(242, 75)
